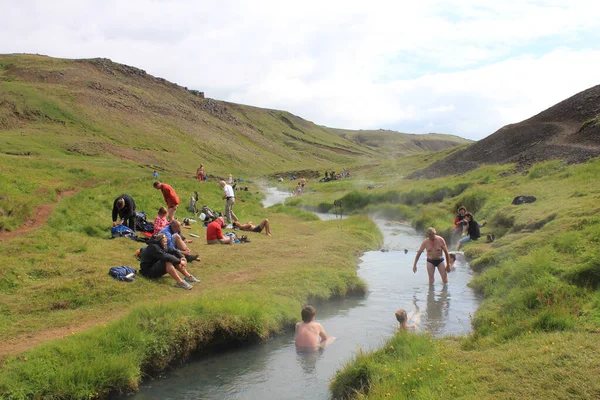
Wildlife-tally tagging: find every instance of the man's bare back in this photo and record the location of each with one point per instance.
(308, 334)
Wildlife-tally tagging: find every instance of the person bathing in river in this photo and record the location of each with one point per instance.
(402, 318)
(436, 249)
(264, 224)
(310, 335)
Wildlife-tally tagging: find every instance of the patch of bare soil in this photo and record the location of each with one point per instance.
(561, 132)
(39, 218)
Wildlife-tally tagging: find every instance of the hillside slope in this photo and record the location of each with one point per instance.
(569, 130)
(97, 107)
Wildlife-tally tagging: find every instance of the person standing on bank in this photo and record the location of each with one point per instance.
(436, 249)
(124, 208)
(170, 197)
(200, 173)
(229, 197)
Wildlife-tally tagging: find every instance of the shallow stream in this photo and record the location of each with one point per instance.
(275, 370)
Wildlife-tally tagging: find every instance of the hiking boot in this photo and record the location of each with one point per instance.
(192, 279)
(192, 257)
(183, 285)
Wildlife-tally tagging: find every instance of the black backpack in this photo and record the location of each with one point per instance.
(210, 214)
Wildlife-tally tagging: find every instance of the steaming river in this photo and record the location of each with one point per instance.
(274, 370)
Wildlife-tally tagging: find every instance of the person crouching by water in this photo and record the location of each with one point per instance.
(158, 260)
(436, 248)
(310, 335)
(214, 233)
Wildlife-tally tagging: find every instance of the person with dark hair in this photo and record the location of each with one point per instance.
(124, 208)
(310, 335)
(473, 232)
(170, 197)
(460, 225)
(158, 259)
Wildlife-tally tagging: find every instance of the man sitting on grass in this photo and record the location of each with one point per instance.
(264, 224)
(176, 241)
(214, 232)
(158, 260)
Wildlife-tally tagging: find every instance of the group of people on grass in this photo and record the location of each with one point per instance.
(167, 251)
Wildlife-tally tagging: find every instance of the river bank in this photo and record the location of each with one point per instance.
(273, 369)
(243, 296)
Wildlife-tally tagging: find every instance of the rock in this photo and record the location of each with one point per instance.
(523, 199)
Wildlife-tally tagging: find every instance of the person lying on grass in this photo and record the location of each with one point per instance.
(158, 259)
(264, 224)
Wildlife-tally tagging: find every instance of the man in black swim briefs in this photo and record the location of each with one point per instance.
(264, 224)
(436, 249)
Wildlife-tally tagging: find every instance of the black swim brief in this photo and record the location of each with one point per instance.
(257, 229)
(435, 262)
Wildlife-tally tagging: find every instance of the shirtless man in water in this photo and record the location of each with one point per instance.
(308, 332)
(436, 249)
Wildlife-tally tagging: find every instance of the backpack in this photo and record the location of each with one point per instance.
(141, 224)
(123, 273)
(121, 231)
(209, 214)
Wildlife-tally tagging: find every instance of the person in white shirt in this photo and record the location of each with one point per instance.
(229, 197)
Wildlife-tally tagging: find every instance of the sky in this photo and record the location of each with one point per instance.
(465, 68)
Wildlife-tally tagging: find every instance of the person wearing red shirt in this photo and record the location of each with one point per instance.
(214, 232)
(171, 198)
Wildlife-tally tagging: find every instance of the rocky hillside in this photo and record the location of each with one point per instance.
(569, 130)
(100, 108)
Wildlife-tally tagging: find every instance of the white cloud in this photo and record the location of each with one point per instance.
(465, 68)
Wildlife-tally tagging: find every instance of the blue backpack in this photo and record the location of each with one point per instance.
(123, 273)
(121, 231)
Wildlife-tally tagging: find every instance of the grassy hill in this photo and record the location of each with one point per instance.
(81, 121)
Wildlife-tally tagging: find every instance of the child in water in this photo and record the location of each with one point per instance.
(310, 335)
(402, 318)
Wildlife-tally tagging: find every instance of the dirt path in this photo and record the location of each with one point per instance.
(40, 217)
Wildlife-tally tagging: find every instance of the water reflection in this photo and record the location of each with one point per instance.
(437, 309)
(275, 369)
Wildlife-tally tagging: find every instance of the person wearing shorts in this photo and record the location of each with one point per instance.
(170, 197)
(249, 227)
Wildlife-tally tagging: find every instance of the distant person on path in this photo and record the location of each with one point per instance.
(158, 259)
(310, 335)
(298, 189)
(249, 227)
(160, 222)
(214, 233)
(402, 318)
(302, 183)
(230, 181)
(436, 248)
(124, 208)
(229, 197)
(473, 232)
(170, 197)
(155, 174)
(200, 173)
